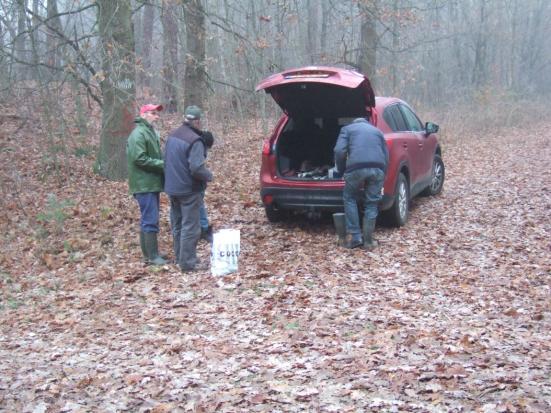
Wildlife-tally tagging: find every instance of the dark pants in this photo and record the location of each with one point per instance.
(361, 184)
(186, 231)
(149, 210)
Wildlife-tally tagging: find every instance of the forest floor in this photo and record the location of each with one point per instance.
(451, 314)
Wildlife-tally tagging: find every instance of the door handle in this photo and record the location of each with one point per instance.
(405, 145)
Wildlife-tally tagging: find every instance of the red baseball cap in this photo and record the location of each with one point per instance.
(150, 108)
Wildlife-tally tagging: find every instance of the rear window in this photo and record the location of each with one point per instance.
(412, 121)
(394, 118)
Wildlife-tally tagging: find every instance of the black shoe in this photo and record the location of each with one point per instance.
(198, 267)
(206, 234)
(354, 242)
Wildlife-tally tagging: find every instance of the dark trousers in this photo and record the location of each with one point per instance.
(149, 210)
(186, 231)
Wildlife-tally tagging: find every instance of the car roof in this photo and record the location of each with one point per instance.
(384, 101)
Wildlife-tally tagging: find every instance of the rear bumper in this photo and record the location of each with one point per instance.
(311, 199)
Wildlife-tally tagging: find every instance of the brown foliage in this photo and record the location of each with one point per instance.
(451, 313)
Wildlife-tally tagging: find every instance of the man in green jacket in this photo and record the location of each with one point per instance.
(146, 178)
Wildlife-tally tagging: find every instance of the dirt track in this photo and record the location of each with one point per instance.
(451, 313)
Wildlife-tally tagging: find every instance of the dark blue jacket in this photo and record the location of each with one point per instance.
(185, 170)
(360, 145)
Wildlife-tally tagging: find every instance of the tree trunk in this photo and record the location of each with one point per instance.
(147, 41)
(312, 34)
(195, 75)
(479, 65)
(20, 52)
(325, 10)
(367, 59)
(395, 46)
(54, 54)
(117, 86)
(170, 55)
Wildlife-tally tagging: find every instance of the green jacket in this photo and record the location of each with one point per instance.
(145, 161)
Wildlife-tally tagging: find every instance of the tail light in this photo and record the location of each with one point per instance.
(268, 199)
(267, 147)
(374, 116)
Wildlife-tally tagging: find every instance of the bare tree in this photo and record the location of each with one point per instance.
(20, 41)
(195, 75)
(313, 32)
(480, 47)
(170, 54)
(367, 59)
(146, 41)
(117, 86)
(53, 39)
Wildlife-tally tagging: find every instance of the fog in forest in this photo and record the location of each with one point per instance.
(438, 54)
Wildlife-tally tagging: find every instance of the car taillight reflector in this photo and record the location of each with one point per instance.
(266, 148)
(268, 199)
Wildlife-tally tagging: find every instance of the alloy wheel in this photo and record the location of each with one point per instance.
(403, 200)
(437, 176)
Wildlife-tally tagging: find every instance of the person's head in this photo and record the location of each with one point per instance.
(192, 115)
(208, 138)
(150, 112)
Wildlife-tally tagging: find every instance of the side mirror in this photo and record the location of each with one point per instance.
(431, 128)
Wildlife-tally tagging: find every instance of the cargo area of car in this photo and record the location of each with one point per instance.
(304, 150)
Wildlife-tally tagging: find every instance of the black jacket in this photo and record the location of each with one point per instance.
(185, 170)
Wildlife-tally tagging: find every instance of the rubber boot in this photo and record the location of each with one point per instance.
(340, 227)
(368, 228)
(152, 249)
(142, 245)
(144, 251)
(206, 234)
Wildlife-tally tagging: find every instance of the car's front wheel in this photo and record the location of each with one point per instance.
(437, 179)
(397, 215)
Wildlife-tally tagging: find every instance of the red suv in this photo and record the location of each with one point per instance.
(297, 171)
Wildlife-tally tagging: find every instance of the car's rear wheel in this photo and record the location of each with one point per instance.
(437, 179)
(273, 214)
(397, 215)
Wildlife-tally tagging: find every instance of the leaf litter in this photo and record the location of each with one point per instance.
(451, 313)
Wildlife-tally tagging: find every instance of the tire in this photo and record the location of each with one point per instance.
(437, 178)
(398, 213)
(273, 214)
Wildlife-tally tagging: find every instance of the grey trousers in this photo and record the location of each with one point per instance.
(186, 230)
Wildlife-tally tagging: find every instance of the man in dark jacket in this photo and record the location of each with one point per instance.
(186, 177)
(361, 153)
(145, 178)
